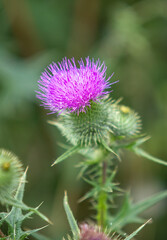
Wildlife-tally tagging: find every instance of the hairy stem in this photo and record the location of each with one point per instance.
(102, 199)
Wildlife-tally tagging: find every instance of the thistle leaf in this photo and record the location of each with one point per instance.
(110, 150)
(30, 232)
(67, 154)
(35, 210)
(39, 236)
(20, 191)
(17, 201)
(138, 230)
(15, 217)
(34, 231)
(141, 140)
(73, 224)
(129, 213)
(128, 143)
(144, 154)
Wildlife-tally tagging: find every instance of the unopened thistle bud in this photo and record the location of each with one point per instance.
(87, 129)
(126, 122)
(77, 94)
(10, 173)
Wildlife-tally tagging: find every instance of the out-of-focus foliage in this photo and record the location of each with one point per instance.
(131, 37)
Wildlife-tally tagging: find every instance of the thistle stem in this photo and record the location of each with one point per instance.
(102, 199)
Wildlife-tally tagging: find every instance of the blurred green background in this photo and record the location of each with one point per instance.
(131, 37)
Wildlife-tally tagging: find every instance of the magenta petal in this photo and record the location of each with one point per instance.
(64, 86)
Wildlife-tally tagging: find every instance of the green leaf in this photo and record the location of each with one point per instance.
(35, 210)
(147, 203)
(144, 154)
(138, 230)
(20, 191)
(141, 140)
(39, 236)
(73, 224)
(18, 205)
(130, 142)
(67, 154)
(134, 146)
(129, 213)
(110, 150)
(32, 232)
(91, 194)
(15, 217)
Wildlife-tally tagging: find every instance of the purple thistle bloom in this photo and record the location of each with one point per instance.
(88, 232)
(64, 86)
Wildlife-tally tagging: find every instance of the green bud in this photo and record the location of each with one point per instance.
(97, 123)
(10, 173)
(126, 121)
(87, 128)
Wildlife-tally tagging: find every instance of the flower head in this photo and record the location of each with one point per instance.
(64, 86)
(90, 232)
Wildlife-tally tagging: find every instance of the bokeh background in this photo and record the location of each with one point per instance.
(131, 37)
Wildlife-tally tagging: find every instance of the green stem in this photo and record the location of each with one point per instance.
(102, 199)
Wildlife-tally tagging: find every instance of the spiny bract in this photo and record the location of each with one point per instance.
(10, 173)
(98, 123)
(126, 122)
(87, 129)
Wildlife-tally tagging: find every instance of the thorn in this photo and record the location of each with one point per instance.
(53, 164)
(39, 205)
(26, 169)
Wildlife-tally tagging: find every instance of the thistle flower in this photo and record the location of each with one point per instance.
(64, 86)
(90, 232)
(78, 95)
